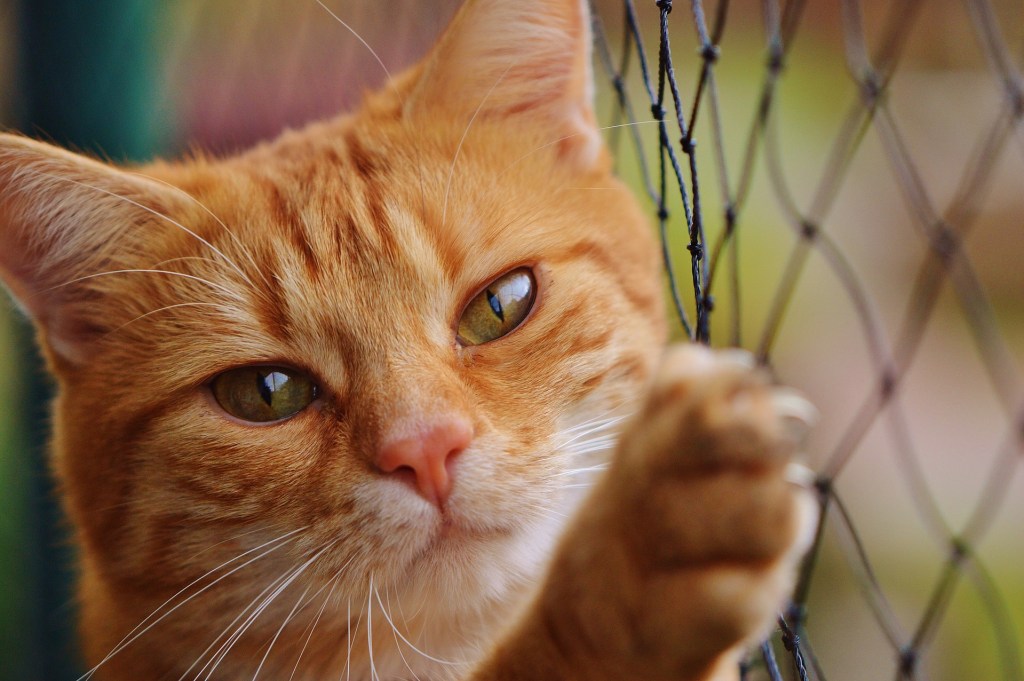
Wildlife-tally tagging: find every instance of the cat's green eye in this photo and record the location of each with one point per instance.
(263, 393)
(499, 308)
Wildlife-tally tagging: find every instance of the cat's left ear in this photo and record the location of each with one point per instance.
(64, 218)
(522, 60)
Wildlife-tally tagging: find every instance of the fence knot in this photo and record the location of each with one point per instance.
(658, 111)
(708, 303)
(871, 87)
(710, 53)
(730, 218)
(696, 250)
(944, 242)
(664, 5)
(688, 144)
(958, 550)
(662, 213)
(808, 230)
(887, 383)
(790, 640)
(908, 661)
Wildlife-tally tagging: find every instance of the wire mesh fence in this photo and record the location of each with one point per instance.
(705, 263)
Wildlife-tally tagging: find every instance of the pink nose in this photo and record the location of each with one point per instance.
(428, 456)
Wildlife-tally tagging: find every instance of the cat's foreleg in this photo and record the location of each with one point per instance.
(687, 548)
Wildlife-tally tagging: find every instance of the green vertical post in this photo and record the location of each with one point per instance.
(91, 80)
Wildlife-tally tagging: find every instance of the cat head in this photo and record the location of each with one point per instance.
(374, 349)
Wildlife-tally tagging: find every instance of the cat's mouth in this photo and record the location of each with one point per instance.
(456, 539)
(451, 529)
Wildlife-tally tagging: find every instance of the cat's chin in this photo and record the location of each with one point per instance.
(466, 566)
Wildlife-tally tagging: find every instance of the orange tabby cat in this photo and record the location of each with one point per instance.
(324, 407)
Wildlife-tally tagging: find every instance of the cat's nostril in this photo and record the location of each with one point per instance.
(425, 459)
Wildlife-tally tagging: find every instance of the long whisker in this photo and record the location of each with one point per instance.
(183, 258)
(155, 213)
(348, 629)
(586, 424)
(134, 634)
(462, 140)
(591, 447)
(283, 583)
(358, 37)
(316, 620)
(277, 635)
(394, 632)
(389, 83)
(230, 625)
(590, 429)
(407, 641)
(222, 542)
(223, 289)
(369, 630)
(569, 137)
(577, 471)
(238, 242)
(165, 308)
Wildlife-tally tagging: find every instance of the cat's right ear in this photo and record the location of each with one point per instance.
(64, 217)
(523, 61)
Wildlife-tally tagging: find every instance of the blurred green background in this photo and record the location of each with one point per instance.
(130, 79)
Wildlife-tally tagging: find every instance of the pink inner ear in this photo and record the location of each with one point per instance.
(64, 217)
(525, 60)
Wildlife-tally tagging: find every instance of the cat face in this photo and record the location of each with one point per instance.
(446, 294)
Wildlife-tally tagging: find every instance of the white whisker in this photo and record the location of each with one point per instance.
(165, 308)
(586, 424)
(183, 258)
(348, 629)
(407, 641)
(226, 629)
(134, 634)
(462, 140)
(359, 38)
(238, 242)
(288, 578)
(394, 632)
(590, 429)
(592, 447)
(568, 137)
(225, 541)
(369, 630)
(223, 289)
(277, 635)
(312, 627)
(160, 215)
(577, 471)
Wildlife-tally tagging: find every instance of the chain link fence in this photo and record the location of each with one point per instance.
(882, 71)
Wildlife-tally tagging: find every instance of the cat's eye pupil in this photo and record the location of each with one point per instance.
(261, 394)
(265, 391)
(495, 305)
(497, 310)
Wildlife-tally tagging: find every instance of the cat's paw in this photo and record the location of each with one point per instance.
(688, 548)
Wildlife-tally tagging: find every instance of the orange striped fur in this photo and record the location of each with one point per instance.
(347, 251)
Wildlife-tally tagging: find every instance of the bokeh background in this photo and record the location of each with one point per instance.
(132, 79)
